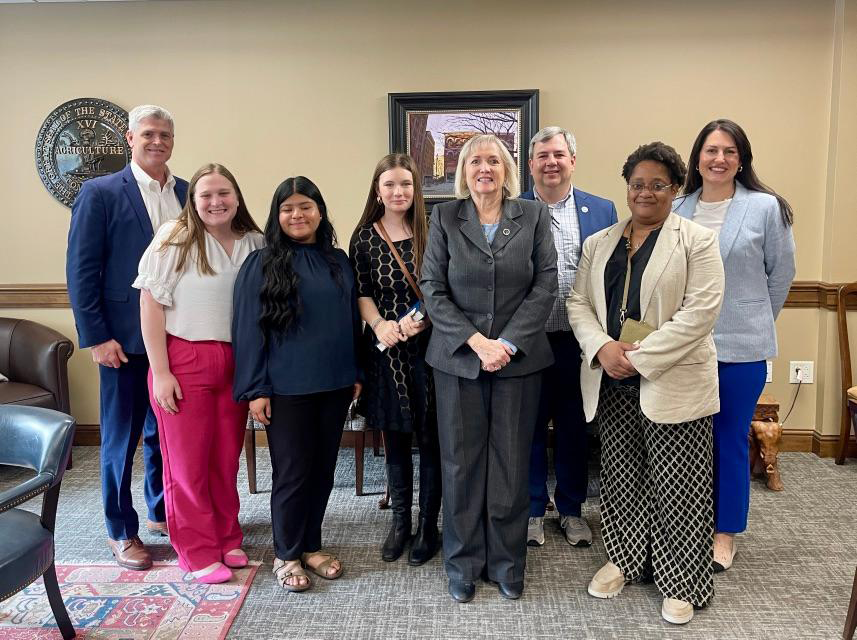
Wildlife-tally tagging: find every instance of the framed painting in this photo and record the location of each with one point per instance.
(433, 127)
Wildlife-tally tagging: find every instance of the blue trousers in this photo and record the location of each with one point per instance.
(126, 415)
(741, 384)
(561, 400)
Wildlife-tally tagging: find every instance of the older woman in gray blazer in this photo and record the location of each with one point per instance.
(723, 193)
(645, 299)
(489, 280)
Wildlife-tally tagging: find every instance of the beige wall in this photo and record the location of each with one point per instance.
(273, 89)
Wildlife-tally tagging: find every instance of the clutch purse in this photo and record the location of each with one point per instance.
(633, 331)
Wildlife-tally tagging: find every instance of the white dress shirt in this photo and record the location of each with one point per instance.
(566, 238)
(161, 204)
(196, 306)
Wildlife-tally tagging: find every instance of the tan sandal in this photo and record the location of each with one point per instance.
(285, 569)
(321, 569)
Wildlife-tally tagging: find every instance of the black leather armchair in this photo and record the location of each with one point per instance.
(37, 439)
(35, 359)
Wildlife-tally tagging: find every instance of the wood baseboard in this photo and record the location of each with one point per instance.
(827, 446)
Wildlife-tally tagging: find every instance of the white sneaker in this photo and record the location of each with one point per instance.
(535, 532)
(607, 583)
(576, 530)
(676, 611)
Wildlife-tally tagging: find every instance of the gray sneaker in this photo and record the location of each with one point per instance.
(576, 530)
(536, 532)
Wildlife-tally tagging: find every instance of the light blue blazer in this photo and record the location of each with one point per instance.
(758, 252)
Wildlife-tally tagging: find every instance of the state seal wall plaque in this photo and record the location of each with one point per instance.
(80, 140)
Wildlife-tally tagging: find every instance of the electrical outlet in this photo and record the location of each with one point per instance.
(769, 376)
(801, 371)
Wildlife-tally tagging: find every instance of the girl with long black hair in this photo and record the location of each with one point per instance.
(295, 330)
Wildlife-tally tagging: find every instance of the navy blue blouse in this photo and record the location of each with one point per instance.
(318, 353)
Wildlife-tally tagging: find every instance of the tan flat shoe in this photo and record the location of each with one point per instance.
(676, 611)
(321, 569)
(723, 557)
(608, 582)
(285, 569)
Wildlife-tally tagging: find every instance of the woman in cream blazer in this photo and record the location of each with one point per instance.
(653, 400)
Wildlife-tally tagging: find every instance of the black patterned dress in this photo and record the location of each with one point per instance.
(398, 393)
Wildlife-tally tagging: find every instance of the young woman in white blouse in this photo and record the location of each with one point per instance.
(186, 278)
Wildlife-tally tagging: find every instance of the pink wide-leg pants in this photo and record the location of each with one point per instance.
(201, 445)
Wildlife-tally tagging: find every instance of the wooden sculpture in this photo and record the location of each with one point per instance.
(765, 434)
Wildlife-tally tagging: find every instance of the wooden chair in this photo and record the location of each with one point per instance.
(355, 424)
(250, 450)
(849, 391)
(851, 618)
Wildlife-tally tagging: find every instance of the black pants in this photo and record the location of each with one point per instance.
(303, 437)
(397, 446)
(486, 431)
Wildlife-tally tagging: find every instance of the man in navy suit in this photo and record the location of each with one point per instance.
(113, 220)
(575, 216)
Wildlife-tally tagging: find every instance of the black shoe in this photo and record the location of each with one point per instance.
(511, 590)
(400, 484)
(397, 539)
(425, 543)
(462, 591)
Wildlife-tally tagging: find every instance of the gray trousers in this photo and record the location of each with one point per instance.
(485, 427)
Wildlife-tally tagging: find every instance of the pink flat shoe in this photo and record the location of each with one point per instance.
(213, 574)
(235, 559)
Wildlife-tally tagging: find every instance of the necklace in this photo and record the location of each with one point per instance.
(630, 245)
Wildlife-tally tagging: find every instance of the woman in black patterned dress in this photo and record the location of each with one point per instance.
(398, 396)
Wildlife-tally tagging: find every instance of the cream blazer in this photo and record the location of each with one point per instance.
(680, 295)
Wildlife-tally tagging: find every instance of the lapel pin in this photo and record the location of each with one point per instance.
(506, 232)
(584, 209)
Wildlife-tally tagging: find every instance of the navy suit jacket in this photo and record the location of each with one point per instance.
(593, 213)
(110, 230)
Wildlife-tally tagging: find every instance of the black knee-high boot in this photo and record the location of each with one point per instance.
(400, 481)
(427, 539)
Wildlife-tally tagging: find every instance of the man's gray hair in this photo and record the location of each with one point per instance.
(549, 132)
(138, 114)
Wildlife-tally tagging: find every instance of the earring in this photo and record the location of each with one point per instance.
(740, 168)
(378, 198)
(697, 169)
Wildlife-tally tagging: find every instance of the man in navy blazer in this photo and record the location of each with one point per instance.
(576, 215)
(113, 220)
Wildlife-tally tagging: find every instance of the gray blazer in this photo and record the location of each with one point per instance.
(505, 290)
(758, 252)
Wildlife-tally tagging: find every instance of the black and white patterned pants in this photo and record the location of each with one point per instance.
(657, 509)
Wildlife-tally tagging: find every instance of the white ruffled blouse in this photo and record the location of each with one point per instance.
(197, 307)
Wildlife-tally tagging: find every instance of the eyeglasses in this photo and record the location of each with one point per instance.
(656, 187)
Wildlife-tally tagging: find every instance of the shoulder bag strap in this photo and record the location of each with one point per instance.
(380, 228)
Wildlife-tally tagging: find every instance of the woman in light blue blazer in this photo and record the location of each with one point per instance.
(722, 192)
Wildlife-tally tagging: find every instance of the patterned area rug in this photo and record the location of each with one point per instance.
(106, 601)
